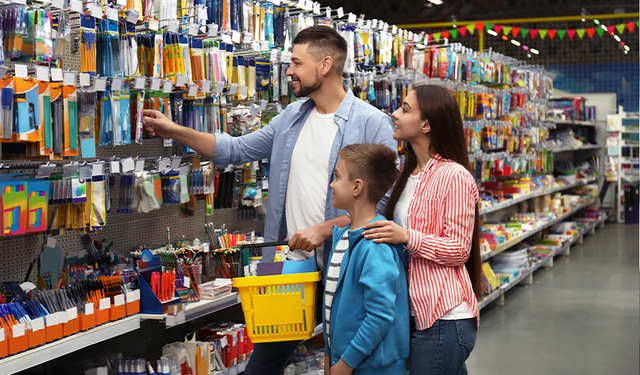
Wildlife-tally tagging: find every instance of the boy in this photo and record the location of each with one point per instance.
(366, 314)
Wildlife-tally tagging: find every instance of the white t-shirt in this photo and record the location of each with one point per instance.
(400, 215)
(306, 198)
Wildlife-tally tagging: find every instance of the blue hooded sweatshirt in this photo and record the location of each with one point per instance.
(370, 309)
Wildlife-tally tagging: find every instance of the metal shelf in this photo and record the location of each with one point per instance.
(196, 310)
(516, 240)
(45, 353)
(539, 193)
(583, 148)
(575, 122)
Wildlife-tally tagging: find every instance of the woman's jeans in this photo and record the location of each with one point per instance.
(443, 348)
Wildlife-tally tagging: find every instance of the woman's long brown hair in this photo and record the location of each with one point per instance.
(439, 106)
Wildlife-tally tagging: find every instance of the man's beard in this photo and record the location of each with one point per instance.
(305, 91)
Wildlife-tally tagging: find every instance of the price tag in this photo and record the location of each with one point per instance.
(301, 4)
(97, 169)
(44, 171)
(130, 297)
(21, 2)
(253, 111)
(316, 9)
(235, 37)
(96, 11)
(233, 89)
(51, 241)
(187, 282)
(72, 313)
(374, 24)
(37, 324)
(153, 24)
(193, 90)
(88, 309)
(309, 5)
(76, 6)
(394, 29)
(175, 162)
(278, 107)
(18, 329)
(62, 317)
(385, 28)
(42, 73)
(139, 165)
(117, 84)
(85, 173)
(202, 13)
(163, 166)
(243, 91)
(140, 83)
(105, 304)
(219, 87)
(112, 14)
(127, 165)
(274, 55)
(51, 320)
(340, 12)
(136, 295)
(226, 38)
(206, 86)
(212, 30)
(263, 105)
(181, 80)
(100, 84)
(193, 29)
(155, 84)
(275, 2)
(167, 87)
(133, 15)
(256, 165)
(247, 38)
(21, 71)
(172, 26)
(2, 336)
(114, 167)
(118, 300)
(58, 4)
(328, 12)
(85, 80)
(122, 3)
(360, 23)
(351, 18)
(410, 35)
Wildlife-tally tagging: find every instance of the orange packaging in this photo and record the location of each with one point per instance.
(36, 336)
(27, 109)
(70, 122)
(53, 327)
(4, 344)
(18, 341)
(55, 89)
(72, 325)
(103, 311)
(7, 81)
(133, 302)
(88, 319)
(118, 309)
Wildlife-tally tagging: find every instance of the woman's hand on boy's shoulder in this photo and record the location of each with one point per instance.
(341, 368)
(386, 231)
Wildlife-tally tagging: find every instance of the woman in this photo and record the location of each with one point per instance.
(434, 211)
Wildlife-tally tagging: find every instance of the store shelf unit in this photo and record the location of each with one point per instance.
(538, 193)
(527, 275)
(196, 310)
(516, 240)
(33, 357)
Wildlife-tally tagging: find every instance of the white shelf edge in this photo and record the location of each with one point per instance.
(195, 310)
(45, 353)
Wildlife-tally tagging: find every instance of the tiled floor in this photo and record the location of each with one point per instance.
(579, 317)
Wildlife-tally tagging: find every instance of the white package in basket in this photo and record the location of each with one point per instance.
(215, 289)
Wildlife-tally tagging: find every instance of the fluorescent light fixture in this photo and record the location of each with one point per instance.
(583, 20)
(617, 38)
(627, 48)
(534, 51)
(603, 26)
(626, 52)
(526, 48)
(504, 37)
(596, 22)
(491, 32)
(515, 42)
(435, 2)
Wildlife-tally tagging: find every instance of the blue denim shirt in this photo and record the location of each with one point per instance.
(358, 122)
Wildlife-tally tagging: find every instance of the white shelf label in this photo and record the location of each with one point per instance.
(69, 79)
(72, 313)
(187, 282)
(132, 16)
(76, 6)
(235, 37)
(105, 304)
(96, 11)
(328, 12)
(128, 165)
(88, 309)
(219, 87)
(56, 75)
(139, 165)
(51, 320)
(21, 71)
(193, 90)
(140, 83)
(172, 26)
(212, 30)
(243, 91)
(58, 4)
(112, 14)
(118, 300)
(206, 86)
(85, 80)
(62, 317)
(18, 330)
(100, 84)
(155, 84)
(2, 336)
(194, 29)
(42, 73)
(167, 87)
(37, 324)
(117, 84)
(136, 295)
(351, 18)
(340, 12)
(233, 89)
(181, 80)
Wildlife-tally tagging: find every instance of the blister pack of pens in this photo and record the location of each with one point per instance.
(88, 40)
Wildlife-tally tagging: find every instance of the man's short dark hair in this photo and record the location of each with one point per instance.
(374, 164)
(324, 41)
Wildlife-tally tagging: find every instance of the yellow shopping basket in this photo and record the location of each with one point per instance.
(280, 307)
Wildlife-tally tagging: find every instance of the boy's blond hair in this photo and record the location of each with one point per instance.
(374, 164)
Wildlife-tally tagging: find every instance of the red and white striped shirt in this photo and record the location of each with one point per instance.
(440, 226)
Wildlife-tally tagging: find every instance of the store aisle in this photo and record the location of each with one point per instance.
(579, 317)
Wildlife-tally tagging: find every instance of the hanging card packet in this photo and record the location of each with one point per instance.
(28, 109)
(46, 131)
(38, 197)
(14, 208)
(7, 118)
(57, 119)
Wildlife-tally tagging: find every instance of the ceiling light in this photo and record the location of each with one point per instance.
(515, 42)
(617, 38)
(528, 55)
(534, 51)
(583, 20)
(626, 48)
(603, 26)
(491, 32)
(525, 48)
(626, 52)
(435, 2)
(596, 22)
(504, 38)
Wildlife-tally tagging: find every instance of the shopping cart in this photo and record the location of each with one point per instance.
(280, 307)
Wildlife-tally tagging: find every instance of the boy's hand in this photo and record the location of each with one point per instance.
(327, 364)
(341, 368)
(386, 231)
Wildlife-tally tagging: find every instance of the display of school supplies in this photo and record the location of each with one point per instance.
(163, 285)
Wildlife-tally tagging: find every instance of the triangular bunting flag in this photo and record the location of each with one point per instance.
(543, 33)
(524, 32)
(445, 34)
(631, 26)
(506, 30)
(515, 31)
(463, 31)
(571, 33)
(488, 26)
(480, 26)
(552, 33)
(498, 28)
(620, 28)
(436, 36)
(591, 31)
(454, 33)
(580, 33)
(561, 34)
(534, 33)
(471, 28)
(600, 31)
(610, 29)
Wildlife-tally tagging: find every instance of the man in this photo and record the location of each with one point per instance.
(303, 144)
